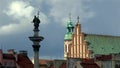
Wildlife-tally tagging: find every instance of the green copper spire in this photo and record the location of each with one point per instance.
(70, 27)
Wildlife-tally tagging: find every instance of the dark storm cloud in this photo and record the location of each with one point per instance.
(97, 17)
(106, 20)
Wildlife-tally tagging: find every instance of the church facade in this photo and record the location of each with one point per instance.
(78, 44)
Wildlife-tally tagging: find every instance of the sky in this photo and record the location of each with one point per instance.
(96, 17)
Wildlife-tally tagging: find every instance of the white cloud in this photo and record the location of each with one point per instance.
(23, 13)
(19, 9)
(7, 29)
(43, 18)
(14, 28)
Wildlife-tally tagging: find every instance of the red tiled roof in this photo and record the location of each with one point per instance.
(104, 57)
(63, 65)
(8, 56)
(88, 60)
(24, 61)
(89, 63)
(44, 61)
(51, 66)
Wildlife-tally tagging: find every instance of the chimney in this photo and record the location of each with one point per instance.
(1, 51)
(1, 56)
(23, 52)
(11, 51)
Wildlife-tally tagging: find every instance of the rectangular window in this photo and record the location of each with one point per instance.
(5, 64)
(10, 64)
(107, 64)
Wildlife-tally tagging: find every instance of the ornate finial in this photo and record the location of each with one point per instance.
(70, 16)
(78, 18)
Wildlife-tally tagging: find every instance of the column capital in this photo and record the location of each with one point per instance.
(36, 47)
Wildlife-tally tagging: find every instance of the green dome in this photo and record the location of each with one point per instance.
(69, 24)
(68, 36)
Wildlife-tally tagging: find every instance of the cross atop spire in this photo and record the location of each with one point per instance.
(70, 16)
(78, 18)
(38, 14)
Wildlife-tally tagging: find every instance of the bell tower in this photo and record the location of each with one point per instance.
(68, 39)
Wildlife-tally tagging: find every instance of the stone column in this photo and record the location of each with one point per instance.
(36, 39)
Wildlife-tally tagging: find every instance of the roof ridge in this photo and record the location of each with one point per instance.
(102, 35)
